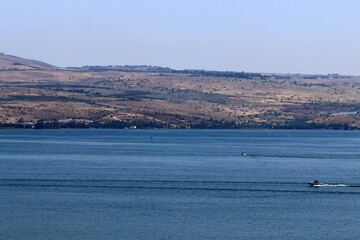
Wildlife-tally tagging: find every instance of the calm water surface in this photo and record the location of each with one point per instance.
(178, 184)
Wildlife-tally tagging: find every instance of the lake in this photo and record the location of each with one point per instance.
(178, 184)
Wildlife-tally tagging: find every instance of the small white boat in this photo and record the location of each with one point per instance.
(317, 183)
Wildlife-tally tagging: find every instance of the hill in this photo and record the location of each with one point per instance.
(36, 94)
(13, 62)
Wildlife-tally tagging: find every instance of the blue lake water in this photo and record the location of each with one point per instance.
(178, 184)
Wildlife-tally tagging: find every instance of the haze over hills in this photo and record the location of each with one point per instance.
(33, 93)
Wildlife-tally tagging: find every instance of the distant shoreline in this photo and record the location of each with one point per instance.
(38, 95)
(105, 126)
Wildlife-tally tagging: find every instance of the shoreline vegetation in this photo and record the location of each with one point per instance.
(141, 124)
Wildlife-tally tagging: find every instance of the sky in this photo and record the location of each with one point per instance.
(268, 36)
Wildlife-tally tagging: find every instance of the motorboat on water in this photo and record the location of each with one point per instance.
(317, 183)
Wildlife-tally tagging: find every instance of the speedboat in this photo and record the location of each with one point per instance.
(317, 183)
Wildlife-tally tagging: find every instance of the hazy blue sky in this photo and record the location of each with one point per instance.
(306, 36)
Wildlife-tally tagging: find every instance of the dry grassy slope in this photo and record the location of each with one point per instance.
(177, 98)
(13, 62)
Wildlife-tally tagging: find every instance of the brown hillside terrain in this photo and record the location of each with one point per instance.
(31, 90)
(13, 62)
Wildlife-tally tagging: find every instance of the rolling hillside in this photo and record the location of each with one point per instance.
(13, 62)
(146, 96)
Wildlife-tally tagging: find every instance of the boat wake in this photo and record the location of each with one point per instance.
(331, 185)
